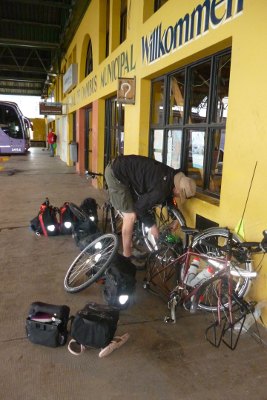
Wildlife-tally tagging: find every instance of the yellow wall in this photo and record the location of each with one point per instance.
(39, 129)
(246, 136)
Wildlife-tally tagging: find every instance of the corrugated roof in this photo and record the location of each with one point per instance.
(34, 34)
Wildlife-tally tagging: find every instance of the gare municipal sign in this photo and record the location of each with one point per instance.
(216, 12)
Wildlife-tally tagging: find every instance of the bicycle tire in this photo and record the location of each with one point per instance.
(169, 220)
(91, 263)
(78, 212)
(217, 237)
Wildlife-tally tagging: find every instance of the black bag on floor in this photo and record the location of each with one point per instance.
(89, 206)
(46, 324)
(94, 325)
(46, 222)
(84, 233)
(67, 219)
(84, 241)
(120, 281)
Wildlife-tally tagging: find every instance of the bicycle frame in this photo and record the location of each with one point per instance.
(193, 294)
(221, 287)
(182, 292)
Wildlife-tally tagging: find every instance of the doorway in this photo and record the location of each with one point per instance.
(88, 139)
(114, 130)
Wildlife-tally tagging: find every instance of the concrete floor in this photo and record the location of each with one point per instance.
(158, 362)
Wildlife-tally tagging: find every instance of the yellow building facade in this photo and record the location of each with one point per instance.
(182, 82)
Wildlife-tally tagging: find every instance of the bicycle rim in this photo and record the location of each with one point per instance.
(206, 243)
(169, 221)
(91, 263)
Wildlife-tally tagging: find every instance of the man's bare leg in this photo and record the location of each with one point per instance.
(127, 232)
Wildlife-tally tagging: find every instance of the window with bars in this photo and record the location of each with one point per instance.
(188, 119)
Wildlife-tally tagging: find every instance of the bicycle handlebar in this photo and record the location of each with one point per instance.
(253, 247)
(92, 174)
(256, 247)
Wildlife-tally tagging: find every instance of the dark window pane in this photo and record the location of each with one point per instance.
(10, 123)
(158, 4)
(123, 26)
(107, 26)
(157, 103)
(89, 59)
(199, 92)
(176, 100)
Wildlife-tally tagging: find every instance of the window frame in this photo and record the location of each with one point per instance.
(210, 126)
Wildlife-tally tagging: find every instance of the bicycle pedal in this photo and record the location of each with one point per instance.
(169, 320)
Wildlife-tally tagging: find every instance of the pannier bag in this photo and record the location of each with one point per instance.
(120, 282)
(46, 324)
(89, 206)
(84, 233)
(67, 219)
(82, 240)
(46, 222)
(93, 326)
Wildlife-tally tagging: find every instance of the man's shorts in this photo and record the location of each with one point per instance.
(119, 194)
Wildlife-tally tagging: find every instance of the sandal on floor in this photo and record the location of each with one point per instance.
(117, 342)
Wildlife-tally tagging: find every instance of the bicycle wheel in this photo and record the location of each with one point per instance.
(169, 221)
(91, 263)
(78, 212)
(212, 242)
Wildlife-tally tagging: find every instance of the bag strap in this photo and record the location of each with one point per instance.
(40, 216)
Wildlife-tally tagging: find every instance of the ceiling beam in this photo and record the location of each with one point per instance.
(54, 4)
(8, 79)
(26, 70)
(22, 92)
(29, 23)
(5, 42)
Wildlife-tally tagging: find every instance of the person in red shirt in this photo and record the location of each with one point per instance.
(51, 139)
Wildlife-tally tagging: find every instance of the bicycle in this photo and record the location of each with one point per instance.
(223, 289)
(83, 272)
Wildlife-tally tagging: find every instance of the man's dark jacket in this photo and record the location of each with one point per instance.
(150, 179)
